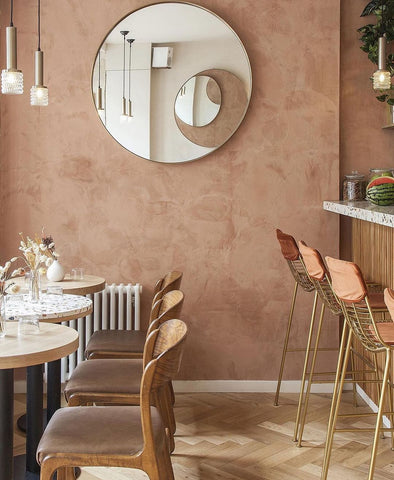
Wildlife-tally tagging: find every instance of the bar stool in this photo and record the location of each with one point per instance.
(320, 278)
(292, 256)
(377, 337)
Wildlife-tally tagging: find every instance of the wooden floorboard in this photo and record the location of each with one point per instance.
(242, 436)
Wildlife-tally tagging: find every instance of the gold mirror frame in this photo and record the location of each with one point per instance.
(167, 140)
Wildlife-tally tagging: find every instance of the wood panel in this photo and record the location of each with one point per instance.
(373, 251)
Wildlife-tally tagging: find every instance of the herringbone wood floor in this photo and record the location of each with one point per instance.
(242, 436)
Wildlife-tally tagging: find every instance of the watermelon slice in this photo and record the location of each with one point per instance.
(380, 181)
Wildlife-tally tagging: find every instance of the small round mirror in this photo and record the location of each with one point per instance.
(198, 101)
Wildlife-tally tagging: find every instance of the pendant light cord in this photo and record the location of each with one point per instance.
(39, 25)
(12, 13)
(99, 73)
(124, 63)
(130, 71)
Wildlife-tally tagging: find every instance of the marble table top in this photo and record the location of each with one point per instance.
(363, 210)
(51, 307)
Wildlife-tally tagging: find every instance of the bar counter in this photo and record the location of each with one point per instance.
(372, 246)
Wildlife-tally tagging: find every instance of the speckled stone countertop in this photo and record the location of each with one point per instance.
(362, 210)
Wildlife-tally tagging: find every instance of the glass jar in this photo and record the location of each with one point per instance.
(353, 187)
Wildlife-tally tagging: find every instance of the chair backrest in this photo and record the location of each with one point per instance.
(166, 344)
(389, 301)
(169, 306)
(319, 276)
(292, 255)
(171, 281)
(349, 286)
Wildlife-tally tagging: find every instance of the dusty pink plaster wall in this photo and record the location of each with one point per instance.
(132, 220)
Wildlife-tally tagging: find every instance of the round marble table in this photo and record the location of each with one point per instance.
(51, 343)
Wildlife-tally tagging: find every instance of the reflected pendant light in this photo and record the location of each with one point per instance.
(99, 89)
(38, 92)
(123, 115)
(129, 111)
(382, 77)
(11, 77)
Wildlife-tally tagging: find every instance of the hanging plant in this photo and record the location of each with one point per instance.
(370, 33)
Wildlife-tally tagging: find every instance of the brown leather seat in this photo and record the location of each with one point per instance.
(130, 343)
(132, 437)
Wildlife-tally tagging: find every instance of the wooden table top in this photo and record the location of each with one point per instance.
(50, 343)
(89, 284)
(51, 308)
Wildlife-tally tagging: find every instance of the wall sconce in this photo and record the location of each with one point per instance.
(38, 92)
(123, 115)
(129, 112)
(11, 77)
(382, 78)
(99, 89)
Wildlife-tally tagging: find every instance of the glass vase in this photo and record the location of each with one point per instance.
(35, 286)
(2, 316)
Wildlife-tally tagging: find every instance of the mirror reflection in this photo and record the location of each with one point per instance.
(137, 79)
(198, 101)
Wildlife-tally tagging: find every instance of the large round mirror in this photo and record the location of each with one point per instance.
(144, 63)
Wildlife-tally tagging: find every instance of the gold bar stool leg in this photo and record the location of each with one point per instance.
(285, 345)
(378, 384)
(380, 414)
(353, 366)
(307, 355)
(311, 371)
(336, 400)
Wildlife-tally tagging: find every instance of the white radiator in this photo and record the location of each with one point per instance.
(116, 307)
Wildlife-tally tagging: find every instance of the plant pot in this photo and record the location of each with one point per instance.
(55, 272)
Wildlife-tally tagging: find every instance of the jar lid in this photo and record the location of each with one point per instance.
(355, 176)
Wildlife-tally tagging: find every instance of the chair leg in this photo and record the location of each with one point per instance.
(343, 359)
(379, 417)
(304, 372)
(285, 345)
(354, 387)
(310, 379)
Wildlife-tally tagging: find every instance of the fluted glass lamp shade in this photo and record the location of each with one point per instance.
(11, 77)
(39, 96)
(382, 77)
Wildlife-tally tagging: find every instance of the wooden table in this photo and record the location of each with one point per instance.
(51, 343)
(89, 284)
(51, 309)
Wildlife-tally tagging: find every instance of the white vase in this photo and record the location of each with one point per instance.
(55, 272)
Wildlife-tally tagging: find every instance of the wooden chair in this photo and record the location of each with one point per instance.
(118, 436)
(130, 343)
(292, 256)
(377, 337)
(117, 380)
(320, 278)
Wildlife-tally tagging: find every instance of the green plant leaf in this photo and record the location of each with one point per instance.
(382, 98)
(371, 7)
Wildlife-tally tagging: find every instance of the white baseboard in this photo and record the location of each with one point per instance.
(372, 405)
(260, 386)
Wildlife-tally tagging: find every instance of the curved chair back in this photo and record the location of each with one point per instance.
(171, 281)
(292, 255)
(168, 307)
(319, 276)
(349, 286)
(166, 345)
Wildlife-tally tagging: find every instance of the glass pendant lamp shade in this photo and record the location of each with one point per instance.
(11, 77)
(382, 77)
(38, 92)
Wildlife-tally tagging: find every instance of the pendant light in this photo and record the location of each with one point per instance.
(99, 89)
(129, 111)
(123, 115)
(382, 77)
(11, 77)
(38, 92)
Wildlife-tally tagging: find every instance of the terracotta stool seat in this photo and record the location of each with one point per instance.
(116, 343)
(101, 431)
(95, 381)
